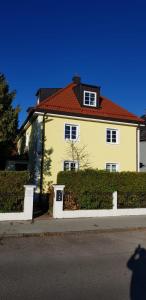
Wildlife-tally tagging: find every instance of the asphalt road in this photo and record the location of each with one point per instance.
(74, 266)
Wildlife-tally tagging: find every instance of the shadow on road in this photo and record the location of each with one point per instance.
(137, 264)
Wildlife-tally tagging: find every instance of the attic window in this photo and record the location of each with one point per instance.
(89, 98)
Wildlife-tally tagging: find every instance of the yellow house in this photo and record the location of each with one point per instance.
(75, 127)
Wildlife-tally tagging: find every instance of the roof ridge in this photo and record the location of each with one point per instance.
(52, 96)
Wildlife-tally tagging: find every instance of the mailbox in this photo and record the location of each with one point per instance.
(59, 195)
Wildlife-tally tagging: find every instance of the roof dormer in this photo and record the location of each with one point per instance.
(87, 95)
(44, 93)
(90, 98)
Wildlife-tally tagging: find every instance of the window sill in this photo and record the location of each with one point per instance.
(110, 143)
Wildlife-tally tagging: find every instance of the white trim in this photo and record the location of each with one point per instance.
(90, 92)
(27, 213)
(59, 213)
(92, 213)
(77, 132)
(27, 139)
(138, 149)
(117, 136)
(113, 163)
(89, 119)
(57, 205)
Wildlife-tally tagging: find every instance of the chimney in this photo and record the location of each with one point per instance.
(76, 79)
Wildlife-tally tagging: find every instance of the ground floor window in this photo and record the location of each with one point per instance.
(112, 167)
(70, 165)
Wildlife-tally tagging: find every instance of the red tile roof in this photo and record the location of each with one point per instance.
(65, 101)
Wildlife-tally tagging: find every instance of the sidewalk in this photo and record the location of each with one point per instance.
(51, 226)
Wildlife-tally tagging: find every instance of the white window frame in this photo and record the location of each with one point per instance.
(117, 136)
(77, 132)
(93, 93)
(70, 162)
(112, 163)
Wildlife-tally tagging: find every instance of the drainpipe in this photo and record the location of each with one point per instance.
(42, 159)
(138, 148)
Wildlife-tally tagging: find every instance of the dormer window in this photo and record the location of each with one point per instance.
(90, 98)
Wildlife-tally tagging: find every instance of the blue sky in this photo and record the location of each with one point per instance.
(44, 43)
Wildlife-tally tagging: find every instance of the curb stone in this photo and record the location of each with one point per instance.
(62, 233)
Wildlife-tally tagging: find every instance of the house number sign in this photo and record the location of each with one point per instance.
(59, 195)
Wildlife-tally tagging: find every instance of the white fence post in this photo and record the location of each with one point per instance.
(58, 201)
(28, 201)
(115, 202)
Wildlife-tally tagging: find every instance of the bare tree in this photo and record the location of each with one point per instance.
(78, 154)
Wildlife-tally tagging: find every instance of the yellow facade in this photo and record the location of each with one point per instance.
(23, 141)
(92, 134)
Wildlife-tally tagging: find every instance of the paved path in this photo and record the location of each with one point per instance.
(73, 266)
(54, 226)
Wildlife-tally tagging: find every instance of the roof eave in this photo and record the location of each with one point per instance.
(118, 119)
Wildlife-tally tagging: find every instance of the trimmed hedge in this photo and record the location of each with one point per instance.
(131, 199)
(12, 190)
(87, 200)
(87, 185)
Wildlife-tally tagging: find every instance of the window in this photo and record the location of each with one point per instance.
(89, 98)
(112, 167)
(70, 165)
(71, 132)
(112, 136)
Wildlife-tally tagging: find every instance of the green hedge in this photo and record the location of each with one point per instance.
(132, 199)
(93, 188)
(12, 190)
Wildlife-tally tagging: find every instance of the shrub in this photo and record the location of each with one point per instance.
(98, 200)
(93, 188)
(12, 190)
(132, 199)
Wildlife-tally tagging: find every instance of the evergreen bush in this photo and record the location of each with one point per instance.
(12, 190)
(94, 188)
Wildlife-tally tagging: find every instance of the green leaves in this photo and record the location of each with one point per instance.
(8, 120)
(6, 97)
(93, 188)
(12, 190)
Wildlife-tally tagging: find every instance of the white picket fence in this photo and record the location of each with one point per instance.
(59, 213)
(27, 213)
